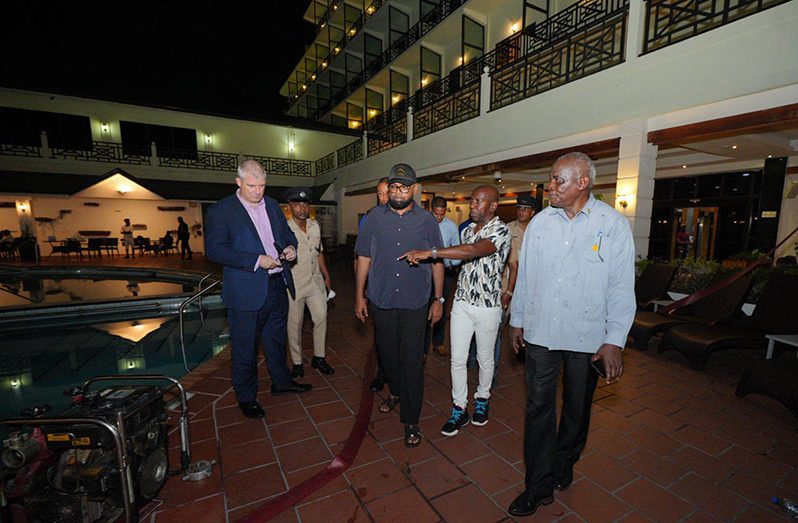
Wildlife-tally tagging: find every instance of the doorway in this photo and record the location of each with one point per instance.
(694, 233)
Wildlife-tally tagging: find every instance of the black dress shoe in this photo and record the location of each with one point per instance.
(563, 477)
(322, 365)
(291, 386)
(298, 371)
(377, 384)
(527, 504)
(251, 409)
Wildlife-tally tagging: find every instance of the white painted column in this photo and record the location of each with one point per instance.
(340, 196)
(45, 147)
(635, 30)
(409, 123)
(484, 91)
(637, 165)
(365, 144)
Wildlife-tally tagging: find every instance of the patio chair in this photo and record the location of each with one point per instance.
(653, 283)
(715, 308)
(111, 244)
(773, 378)
(94, 246)
(775, 313)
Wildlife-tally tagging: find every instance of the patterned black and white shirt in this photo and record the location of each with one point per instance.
(480, 281)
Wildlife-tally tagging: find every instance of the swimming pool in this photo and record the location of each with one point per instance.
(95, 325)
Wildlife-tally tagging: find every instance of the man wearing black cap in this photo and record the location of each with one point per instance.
(525, 208)
(312, 281)
(398, 293)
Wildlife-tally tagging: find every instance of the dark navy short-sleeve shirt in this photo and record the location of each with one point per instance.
(384, 236)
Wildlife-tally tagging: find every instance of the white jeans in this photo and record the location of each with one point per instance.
(466, 320)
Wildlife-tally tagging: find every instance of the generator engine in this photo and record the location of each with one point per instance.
(65, 470)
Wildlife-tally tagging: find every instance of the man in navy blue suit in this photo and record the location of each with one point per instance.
(247, 233)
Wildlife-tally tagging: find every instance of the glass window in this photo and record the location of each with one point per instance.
(425, 6)
(374, 101)
(737, 184)
(400, 87)
(709, 186)
(430, 67)
(683, 188)
(372, 48)
(662, 189)
(473, 40)
(354, 116)
(398, 23)
(354, 66)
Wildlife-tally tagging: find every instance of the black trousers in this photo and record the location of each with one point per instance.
(548, 449)
(400, 337)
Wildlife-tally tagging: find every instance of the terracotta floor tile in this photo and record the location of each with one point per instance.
(509, 446)
(654, 467)
(208, 510)
(376, 479)
(591, 502)
(714, 469)
(249, 430)
(342, 506)
(462, 448)
(635, 517)
(621, 406)
(213, 386)
(657, 421)
(658, 405)
(330, 411)
(654, 501)
(333, 487)
(291, 431)
(318, 396)
(701, 517)
(336, 431)
(286, 516)
(711, 497)
(761, 466)
(610, 443)
(655, 441)
(757, 514)
(253, 485)
(369, 452)
(176, 492)
(702, 440)
(303, 454)
(228, 415)
(404, 506)
(790, 482)
(341, 383)
(756, 490)
(468, 501)
(436, 476)
(604, 470)
(405, 457)
(742, 435)
(247, 455)
(492, 474)
(613, 421)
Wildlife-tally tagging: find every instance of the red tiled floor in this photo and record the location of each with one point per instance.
(468, 503)
(666, 443)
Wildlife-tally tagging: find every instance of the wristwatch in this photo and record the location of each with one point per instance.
(440, 299)
(434, 253)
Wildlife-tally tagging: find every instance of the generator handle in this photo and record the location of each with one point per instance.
(131, 513)
(185, 440)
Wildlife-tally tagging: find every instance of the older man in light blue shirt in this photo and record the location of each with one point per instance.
(451, 237)
(573, 304)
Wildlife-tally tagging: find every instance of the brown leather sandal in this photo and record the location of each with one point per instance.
(412, 436)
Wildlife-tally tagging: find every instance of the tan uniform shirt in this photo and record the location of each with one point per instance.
(517, 235)
(307, 276)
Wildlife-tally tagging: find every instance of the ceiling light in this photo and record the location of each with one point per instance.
(734, 147)
(684, 167)
(514, 27)
(770, 156)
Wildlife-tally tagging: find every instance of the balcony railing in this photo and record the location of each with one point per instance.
(28, 151)
(447, 111)
(387, 137)
(350, 153)
(191, 159)
(105, 152)
(285, 166)
(325, 164)
(421, 28)
(671, 21)
(595, 46)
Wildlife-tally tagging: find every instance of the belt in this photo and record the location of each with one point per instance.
(275, 275)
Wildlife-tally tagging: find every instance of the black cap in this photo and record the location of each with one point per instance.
(526, 200)
(298, 194)
(402, 173)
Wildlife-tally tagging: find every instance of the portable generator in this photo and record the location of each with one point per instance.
(99, 460)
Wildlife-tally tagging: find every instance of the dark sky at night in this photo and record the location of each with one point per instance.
(222, 57)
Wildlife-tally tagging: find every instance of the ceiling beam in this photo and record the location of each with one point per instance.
(777, 118)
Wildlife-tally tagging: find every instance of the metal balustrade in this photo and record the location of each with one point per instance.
(325, 164)
(285, 166)
(28, 151)
(569, 57)
(672, 21)
(387, 137)
(105, 152)
(447, 111)
(191, 159)
(350, 153)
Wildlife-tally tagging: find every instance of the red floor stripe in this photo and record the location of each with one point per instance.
(339, 464)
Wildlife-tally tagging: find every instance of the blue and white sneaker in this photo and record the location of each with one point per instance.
(481, 409)
(457, 421)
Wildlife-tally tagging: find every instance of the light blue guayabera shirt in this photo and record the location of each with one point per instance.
(451, 237)
(575, 286)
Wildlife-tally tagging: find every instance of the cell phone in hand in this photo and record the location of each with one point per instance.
(598, 366)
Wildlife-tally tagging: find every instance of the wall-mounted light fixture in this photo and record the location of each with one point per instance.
(497, 175)
(514, 27)
(291, 142)
(105, 129)
(208, 139)
(622, 200)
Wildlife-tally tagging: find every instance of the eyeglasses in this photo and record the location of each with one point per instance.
(402, 188)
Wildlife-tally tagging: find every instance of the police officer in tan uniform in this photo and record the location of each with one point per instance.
(312, 282)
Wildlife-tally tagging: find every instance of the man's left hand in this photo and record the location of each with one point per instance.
(289, 253)
(613, 361)
(435, 312)
(506, 299)
(414, 257)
